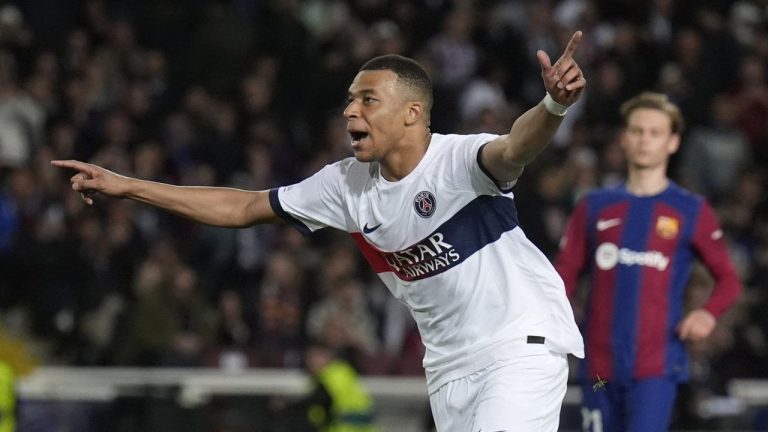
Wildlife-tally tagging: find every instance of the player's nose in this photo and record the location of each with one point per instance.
(351, 111)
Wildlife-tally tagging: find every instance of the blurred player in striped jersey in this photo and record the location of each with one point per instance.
(637, 243)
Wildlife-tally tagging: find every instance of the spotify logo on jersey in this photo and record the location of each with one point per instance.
(606, 256)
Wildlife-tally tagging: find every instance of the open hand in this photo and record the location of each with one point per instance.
(563, 80)
(93, 178)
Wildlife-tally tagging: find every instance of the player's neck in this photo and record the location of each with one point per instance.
(647, 181)
(405, 158)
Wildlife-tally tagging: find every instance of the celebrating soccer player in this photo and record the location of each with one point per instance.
(435, 217)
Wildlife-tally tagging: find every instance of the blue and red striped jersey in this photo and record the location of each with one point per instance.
(638, 253)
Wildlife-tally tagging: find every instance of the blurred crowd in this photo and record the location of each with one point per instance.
(249, 94)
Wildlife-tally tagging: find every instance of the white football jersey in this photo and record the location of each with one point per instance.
(446, 242)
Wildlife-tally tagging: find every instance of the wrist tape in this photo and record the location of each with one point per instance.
(554, 107)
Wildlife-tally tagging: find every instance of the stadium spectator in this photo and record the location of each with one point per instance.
(715, 153)
(279, 312)
(342, 321)
(169, 324)
(337, 402)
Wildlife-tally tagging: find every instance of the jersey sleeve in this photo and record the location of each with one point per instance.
(572, 258)
(314, 203)
(709, 244)
(481, 178)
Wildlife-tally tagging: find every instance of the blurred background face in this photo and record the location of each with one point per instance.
(648, 140)
(316, 358)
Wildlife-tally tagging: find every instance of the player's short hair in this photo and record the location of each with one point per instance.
(657, 101)
(409, 73)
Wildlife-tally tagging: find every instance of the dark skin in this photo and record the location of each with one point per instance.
(394, 124)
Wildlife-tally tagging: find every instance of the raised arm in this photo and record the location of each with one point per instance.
(506, 156)
(224, 207)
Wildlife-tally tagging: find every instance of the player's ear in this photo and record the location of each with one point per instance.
(674, 143)
(414, 112)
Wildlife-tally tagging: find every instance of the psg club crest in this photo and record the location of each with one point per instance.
(424, 204)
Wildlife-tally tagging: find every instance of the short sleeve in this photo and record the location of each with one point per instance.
(481, 179)
(504, 187)
(314, 203)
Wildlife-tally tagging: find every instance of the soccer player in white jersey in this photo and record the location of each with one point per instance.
(434, 216)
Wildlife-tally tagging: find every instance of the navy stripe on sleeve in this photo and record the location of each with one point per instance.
(274, 202)
(490, 176)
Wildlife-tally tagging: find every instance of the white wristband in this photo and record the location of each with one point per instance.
(554, 107)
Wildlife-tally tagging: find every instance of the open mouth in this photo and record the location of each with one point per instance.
(357, 136)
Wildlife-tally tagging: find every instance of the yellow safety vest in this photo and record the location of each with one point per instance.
(7, 399)
(351, 405)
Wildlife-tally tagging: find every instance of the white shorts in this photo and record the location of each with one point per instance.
(521, 394)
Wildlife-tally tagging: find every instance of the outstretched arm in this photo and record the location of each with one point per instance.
(224, 207)
(506, 156)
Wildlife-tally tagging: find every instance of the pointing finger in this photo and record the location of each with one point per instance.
(72, 164)
(572, 45)
(66, 163)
